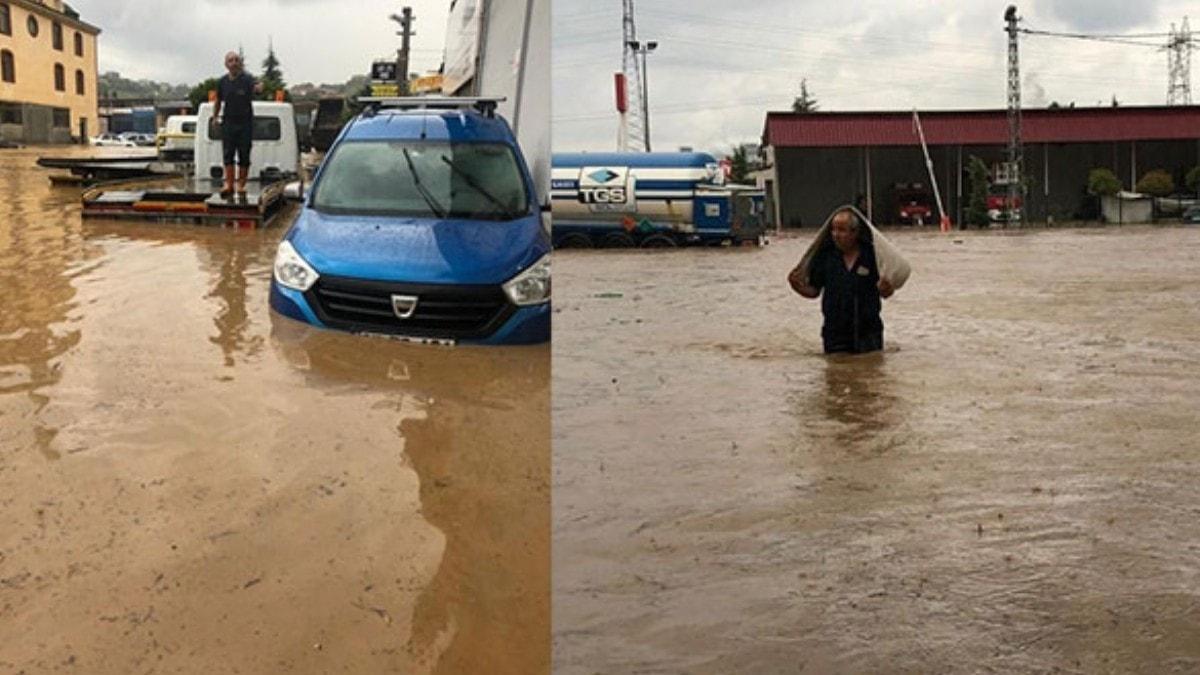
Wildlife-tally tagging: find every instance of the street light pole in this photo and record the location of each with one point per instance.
(642, 49)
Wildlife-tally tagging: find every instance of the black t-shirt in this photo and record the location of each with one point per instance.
(850, 297)
(236, 95)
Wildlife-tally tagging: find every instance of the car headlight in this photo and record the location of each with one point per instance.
(293, 271)
(531, 287)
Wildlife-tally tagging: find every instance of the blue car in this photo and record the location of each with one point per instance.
(421, 224)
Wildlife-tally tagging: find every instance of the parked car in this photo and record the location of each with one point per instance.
(112, 140)
(137, 138)
(1175, 204)
(1192, 214)
(421, 224)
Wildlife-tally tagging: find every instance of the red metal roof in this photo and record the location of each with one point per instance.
(981, 127)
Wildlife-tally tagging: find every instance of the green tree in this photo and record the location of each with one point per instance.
(1103, 182)
(1158, 183)
(739, 165)
(199, 93)
(111, 85)
(272, 77)
(977, 211)
(1192, 180)
(353, 107)
(805, 102)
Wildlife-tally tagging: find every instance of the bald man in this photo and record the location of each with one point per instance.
(848, 275)
(235, 94)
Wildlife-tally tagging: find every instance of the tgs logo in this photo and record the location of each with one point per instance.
(602, 195)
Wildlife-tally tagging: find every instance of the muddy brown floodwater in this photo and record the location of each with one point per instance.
(1012, 486)
(189, 483)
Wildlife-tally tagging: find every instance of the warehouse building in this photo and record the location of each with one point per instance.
(48, 73)
(818, 161)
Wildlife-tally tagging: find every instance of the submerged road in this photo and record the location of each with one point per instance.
(189, 483)
(1012, 486)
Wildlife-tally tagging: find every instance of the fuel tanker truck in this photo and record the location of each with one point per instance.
(650, 199)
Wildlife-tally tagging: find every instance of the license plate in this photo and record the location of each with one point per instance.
(445, 342)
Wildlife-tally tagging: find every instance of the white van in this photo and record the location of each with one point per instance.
(177, 140)
(276, 150)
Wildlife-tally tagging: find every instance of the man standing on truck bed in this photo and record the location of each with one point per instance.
(235, 95)
(848, 274)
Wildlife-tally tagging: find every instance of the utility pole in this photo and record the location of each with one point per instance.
(1179, 65)
(634, 136)
(405, 19)
(1016, 160)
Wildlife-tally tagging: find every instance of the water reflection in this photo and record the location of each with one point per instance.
(858, 397)
(39, 257)
(227, 262)
(235, 261)
(481, 453)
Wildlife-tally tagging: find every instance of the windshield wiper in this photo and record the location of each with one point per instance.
(504, 211)
(425, 194)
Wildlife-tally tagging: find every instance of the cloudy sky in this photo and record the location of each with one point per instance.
(720, 65)
(315, 40)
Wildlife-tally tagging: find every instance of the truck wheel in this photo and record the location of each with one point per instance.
(618, 240)
(574, 240)
(658, 241)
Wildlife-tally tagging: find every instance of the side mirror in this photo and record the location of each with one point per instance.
(547, 217)
(296, 191)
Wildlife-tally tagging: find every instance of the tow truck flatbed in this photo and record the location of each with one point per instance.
(87, 171)
(195, 201)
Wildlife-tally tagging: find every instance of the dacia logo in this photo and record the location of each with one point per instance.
(603, 175)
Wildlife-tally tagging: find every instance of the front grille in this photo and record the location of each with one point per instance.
(460, 312)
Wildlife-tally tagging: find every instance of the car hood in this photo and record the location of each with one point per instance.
(418, 250)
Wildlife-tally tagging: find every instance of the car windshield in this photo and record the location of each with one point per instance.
(423, 179)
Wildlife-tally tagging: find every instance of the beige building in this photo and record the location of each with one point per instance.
(48, 73)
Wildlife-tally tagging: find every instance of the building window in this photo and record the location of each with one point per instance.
(5, 19)
(56, 35)
(78, 43)
(60, 77)
(8, 68)
(32, 25)
(10, 113)
(79, 82)
(62, 118)
(263, 129)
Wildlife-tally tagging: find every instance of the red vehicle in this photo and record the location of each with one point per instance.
(914, 203)
(1000, 207)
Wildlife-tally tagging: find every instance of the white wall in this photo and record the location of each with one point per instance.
(515, 63)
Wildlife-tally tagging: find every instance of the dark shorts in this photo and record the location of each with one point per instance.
(235, 141)
(871, 342)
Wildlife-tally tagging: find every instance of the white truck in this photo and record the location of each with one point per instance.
(275, 153)
(502, 49)
(177, 140)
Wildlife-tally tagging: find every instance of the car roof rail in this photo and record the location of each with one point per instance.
(486, 105)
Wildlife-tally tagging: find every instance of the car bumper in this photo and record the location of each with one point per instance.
(527, 325)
